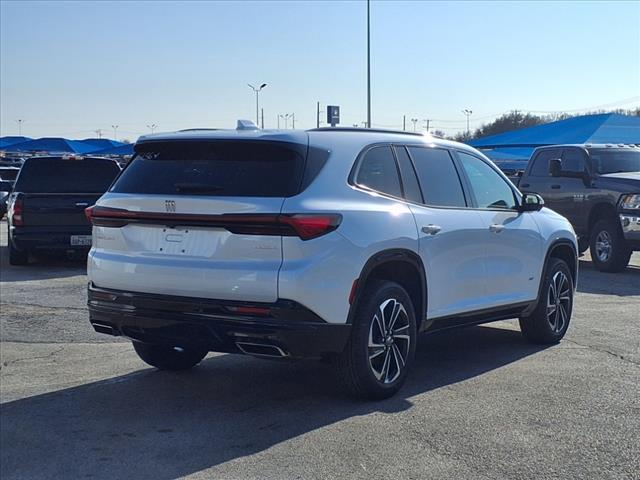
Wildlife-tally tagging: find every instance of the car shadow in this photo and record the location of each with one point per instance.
(622, 284)
(165, 425)
(41, 267)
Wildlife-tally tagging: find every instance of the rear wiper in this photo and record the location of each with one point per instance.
(191, 187)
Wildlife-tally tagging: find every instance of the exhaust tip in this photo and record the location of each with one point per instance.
(261, 350)
(103, 328)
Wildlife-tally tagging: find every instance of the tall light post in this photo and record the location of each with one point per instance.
(257, 90)
(152, 127)
(98, 133)
(285, 117)
(20, 121)
(115, 129)
(468, 113)
(414, 121)
(368, 67)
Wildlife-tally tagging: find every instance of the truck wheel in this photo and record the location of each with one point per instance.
(169, 358)
(382, 345)
(549, 321)
(609, 251)
(17, 257)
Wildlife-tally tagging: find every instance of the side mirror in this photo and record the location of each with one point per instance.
(531, 202)
(555, 167)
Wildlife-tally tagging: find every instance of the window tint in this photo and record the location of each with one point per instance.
(57, 175)
(489, 188)
(573, 160)
(540, 166)
(409, 179)
(378, 172)
(251, 169)
(438, 177)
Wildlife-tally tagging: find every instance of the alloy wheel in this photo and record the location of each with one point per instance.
(558, 302)
(603, 246)
(389, 341)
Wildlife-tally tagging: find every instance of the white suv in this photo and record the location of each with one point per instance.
(333, 243)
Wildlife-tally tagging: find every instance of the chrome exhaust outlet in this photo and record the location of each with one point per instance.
(261, 350)
(102, 328)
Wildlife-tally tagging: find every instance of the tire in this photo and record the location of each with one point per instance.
(16, 257)
(374, 365)
(609, 251)
(548, 323)
(168, 358)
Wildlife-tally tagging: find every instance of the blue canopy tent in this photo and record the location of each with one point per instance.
(124, 149)
(6, 141)
(101, 143)
(52, 145)
(600, 128)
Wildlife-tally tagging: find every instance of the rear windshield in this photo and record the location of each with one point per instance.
(9, 173)
(57, 175)
(246, 169)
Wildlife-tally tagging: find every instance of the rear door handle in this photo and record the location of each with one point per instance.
(555, 187)
(524, 185)
(431, 229)
(496, 228)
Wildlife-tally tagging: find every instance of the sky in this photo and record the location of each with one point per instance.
(71, 68)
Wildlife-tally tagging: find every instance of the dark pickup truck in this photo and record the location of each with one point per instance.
(596, 187)
(46, 207)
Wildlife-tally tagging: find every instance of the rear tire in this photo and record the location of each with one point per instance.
(548, 323)
(17, 257)
(609, 250)
(168, 358)
(380, 351)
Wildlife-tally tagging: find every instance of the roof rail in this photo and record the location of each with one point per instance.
(198, 129)
(363, 130)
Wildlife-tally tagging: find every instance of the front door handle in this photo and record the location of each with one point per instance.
(555, 187)
(496, 228)
(431, 229)
(525, 185)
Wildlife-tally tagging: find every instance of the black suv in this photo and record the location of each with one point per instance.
(597, 187)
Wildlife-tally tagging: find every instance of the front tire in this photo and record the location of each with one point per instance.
(548, 323)
(382, 345)
(169, 358)
(609, 251)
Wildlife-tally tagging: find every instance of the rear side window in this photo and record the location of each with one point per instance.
(438, 177)
(9, 173)
(244, 169)
(378, 172)
(57, 175)
(540, 167)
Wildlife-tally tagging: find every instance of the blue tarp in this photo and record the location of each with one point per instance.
(52, 145)
(600, 128)
(124, 149)
(101, 143)
(6, 141)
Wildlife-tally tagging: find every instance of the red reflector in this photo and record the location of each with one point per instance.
(312, 226)
(251, 310)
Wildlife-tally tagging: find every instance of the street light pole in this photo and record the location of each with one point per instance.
(20, 121)
(414, 120)
(368, 66)
(152, 127)
(468, 113)
(115, 128)
(257, 90)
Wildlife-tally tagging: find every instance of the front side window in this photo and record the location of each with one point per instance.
(438, 177)
(378, 171)
(489, 188)
(573, 160)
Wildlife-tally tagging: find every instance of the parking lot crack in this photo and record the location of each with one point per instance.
(54, 307)
(604, 350)
(39, 357)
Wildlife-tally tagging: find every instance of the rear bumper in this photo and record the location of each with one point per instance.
(284, 328)
(45, 238)
(631, 228)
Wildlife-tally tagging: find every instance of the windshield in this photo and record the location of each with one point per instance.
(615, 161)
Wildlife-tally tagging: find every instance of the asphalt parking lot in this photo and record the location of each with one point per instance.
(480, 402)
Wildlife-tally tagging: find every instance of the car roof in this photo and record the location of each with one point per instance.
(589, 145)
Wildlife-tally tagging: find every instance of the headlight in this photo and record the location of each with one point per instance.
(630, 201)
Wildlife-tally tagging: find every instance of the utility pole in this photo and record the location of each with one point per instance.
(20, 121)
(278, 122)
(414, 120)
(427, 120)
(318, 115)
(115, 129)
(368, 65)
(293, 121)
(262, 117)
(257, 90)
(468, 113)
(404, 122)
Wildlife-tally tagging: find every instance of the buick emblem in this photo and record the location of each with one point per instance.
(170, 205)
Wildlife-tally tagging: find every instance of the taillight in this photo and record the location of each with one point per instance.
(308, 226)
(16, 211)
(88, 212)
